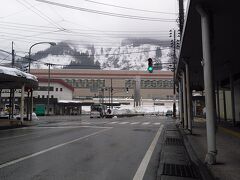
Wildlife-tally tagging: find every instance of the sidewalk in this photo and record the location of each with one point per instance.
(228, 146)
(9, 124)
(175, 162)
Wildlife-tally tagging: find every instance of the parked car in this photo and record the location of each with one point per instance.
(169, 113)
(109, 113)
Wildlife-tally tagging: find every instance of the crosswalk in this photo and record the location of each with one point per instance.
(89, 123)
(133, 123)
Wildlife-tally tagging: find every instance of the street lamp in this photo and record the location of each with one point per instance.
(29, 62)
(29, 52)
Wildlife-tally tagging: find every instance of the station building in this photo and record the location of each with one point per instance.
(84, 83)
(70, 89)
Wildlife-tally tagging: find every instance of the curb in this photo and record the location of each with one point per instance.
(174, 162)
(204, 171)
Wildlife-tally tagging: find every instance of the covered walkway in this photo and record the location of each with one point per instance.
(208, 62)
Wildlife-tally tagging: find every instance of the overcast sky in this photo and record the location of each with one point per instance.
(29, 21)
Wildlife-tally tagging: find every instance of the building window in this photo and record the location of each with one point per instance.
(56, 89)
(38, 96)
(42, 96)
(61, 89)
(51, 96)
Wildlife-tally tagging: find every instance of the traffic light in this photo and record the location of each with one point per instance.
(150, 65)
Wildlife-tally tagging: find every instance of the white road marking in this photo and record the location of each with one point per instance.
(65, 127)
(49, 149)
(135, 123)
(156, 123)
(113, 122)
(123, 122)
(85, 123)
(13, 137)
(143, 166)
(145, 123)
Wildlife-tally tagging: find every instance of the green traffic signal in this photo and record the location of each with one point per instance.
(150, 69)
(150, 65)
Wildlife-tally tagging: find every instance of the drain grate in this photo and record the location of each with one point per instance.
(179, 170)
(173, 141)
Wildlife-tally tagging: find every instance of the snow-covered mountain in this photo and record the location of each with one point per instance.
(127, 56)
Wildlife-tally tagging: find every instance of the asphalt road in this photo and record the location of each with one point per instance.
(80, 148)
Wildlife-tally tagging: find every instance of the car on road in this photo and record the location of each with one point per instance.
(98, 111)
(169, 113)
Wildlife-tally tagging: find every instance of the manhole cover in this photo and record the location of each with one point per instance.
(179, 170)
(173, 141)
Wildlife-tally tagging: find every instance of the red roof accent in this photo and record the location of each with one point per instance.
(60, 81)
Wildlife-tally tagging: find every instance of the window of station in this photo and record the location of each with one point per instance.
(150, 84)
(61, 89)
(86, 83)
(56, 89)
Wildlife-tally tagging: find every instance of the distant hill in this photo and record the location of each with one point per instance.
(132, 54)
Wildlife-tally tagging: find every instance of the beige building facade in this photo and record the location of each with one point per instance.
(88, 83)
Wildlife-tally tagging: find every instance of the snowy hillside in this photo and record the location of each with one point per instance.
(129, 57)
(124, 57)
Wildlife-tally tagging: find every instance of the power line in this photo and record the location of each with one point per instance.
(135, 9)
(39, 13)
(38, 27)
(107, 13)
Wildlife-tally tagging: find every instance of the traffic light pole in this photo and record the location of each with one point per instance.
(174, 68)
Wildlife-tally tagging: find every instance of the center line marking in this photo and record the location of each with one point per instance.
(143, 166)
(123, 122)
(113, 122)
(135, 123)
(49, 149)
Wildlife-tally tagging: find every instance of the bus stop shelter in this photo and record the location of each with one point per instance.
(12, 78)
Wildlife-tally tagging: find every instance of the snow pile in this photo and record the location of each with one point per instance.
(17, 73)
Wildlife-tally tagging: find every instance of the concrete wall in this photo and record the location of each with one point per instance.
(228, 104)
(237, 100)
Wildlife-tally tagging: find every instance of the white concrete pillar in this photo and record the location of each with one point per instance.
(218, 103)
(22, 103)
(189, 98)
(180, 101)
(232, 99)
(209, 87)
(185, 115)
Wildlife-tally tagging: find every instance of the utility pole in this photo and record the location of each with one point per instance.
(111, 95)
(174, 44)
(49, 65)
(181, 16)
(12, 98)
(13, 55)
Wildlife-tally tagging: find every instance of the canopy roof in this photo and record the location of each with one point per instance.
(14, 78)
(224, 25)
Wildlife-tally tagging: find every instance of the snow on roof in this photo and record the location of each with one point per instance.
(17, 73)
